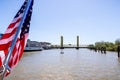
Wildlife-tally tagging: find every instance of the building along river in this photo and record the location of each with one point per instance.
(73, 64)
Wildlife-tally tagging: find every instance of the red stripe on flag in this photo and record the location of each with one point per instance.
(13, 24)
(5, 46)
(5, 36)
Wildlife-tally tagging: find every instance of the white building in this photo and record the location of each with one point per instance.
(44, 45)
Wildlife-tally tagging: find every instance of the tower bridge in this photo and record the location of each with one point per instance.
(77, 45)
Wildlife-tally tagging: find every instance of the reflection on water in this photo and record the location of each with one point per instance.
(74, 64)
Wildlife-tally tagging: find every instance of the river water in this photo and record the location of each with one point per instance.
(73, 64)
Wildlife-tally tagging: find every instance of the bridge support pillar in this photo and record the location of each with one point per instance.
(61, 43)
(77, 42)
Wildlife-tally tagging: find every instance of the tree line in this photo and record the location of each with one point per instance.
(110, 46)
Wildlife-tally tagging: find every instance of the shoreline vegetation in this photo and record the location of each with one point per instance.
(109, 46)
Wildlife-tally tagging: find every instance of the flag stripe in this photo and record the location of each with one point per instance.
(2, 47)
(2, 55)
(5, 41)
(9, 35)
(10, 30)
(14, 23)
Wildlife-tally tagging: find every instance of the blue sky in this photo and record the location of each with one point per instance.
(92, 20)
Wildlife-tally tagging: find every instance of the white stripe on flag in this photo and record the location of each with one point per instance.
(9, 30)
(2, 55)
(26, 36)
(5, 41)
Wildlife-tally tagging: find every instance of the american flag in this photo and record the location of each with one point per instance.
(9, 35)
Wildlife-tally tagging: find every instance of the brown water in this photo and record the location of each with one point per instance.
(81, 64)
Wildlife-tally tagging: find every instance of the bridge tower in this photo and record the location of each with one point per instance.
(61, 43)
(77, 42)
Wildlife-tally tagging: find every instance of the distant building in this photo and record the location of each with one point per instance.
(44, 45)
(32, 43)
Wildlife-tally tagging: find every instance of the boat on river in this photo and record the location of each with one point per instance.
(27, 49)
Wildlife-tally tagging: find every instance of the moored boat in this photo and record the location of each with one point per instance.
(27, 49)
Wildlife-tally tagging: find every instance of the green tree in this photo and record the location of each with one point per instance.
(117, 42)
(109, 45)
(91, 46)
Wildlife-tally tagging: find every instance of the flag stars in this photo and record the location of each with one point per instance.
(28, 25)
(29, 15)
(19, 13)
(26, 30)
(22, 9)
(30, 10)
(26, 1)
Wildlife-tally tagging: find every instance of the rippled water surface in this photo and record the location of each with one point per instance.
(81, 64)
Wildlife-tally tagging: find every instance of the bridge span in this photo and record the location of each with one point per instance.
(70, 46)
(77, 45)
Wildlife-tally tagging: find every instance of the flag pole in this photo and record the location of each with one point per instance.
(5, 64)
